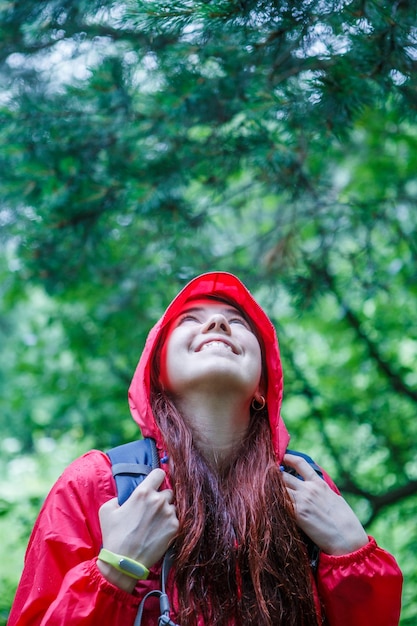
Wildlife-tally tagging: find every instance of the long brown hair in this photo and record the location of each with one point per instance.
(240, 558)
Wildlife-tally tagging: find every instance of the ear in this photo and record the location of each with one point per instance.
(261, 391)
(258, 395)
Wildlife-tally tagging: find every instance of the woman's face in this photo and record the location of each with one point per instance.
(210, 346)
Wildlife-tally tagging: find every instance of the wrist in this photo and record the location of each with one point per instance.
(121, 571)
(348, 545)
(116, 578)
(124, 564)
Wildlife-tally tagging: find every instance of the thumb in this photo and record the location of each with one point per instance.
(108, 507)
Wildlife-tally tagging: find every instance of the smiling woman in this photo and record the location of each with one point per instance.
(211, 365)
(207, 390)
(210, 337)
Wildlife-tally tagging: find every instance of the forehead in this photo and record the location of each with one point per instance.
(210, 305)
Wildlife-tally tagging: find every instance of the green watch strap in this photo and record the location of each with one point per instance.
(123, 564)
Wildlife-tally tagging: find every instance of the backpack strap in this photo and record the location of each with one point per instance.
(309, 460)
(312, 549)
(131, 463)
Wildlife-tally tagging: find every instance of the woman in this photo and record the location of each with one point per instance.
(208, 390)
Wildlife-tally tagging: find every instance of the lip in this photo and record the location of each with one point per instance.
(220, 340)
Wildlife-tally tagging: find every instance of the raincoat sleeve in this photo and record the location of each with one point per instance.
(362, 588)
(61, 583)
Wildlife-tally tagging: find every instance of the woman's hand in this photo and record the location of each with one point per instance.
(141, 529)
(320, 512)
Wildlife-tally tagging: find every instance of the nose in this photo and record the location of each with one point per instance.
(217, 323)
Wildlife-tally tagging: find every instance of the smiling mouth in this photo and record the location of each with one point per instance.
(210, 345)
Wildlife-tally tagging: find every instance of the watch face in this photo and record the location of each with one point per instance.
(132, 567)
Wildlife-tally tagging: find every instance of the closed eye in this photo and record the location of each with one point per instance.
(239, 320)
(188, 318)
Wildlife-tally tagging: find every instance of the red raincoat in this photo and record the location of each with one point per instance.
(61, 583)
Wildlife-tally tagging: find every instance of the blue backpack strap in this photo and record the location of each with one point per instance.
(309, 460)
(312, 549)
(131, 463)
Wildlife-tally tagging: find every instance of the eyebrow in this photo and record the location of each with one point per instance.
(226, 309)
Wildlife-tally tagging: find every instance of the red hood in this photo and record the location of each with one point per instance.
(227, 286)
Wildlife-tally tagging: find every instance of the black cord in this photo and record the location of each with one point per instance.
(164, 619)
(163, 598)
(138, 620)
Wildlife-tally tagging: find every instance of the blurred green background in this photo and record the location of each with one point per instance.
(142, 143)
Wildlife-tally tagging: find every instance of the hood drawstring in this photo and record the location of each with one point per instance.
(164, 619)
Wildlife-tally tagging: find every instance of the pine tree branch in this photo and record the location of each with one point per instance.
(380, 501)
(393, 377)
(92, 31)
(347, 484)
(309, 392)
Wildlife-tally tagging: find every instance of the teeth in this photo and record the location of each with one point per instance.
(215, 344)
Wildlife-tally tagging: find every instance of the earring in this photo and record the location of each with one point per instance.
(258, 405)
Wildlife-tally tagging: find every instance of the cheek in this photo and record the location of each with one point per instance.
(259, 366)
(169, 366)
(163, 377)
(163, 361)
(256, 361)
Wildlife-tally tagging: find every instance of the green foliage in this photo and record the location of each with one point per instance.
(26, 479)
(145, 142)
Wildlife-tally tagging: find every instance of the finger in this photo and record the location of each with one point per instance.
(291, 482)
(169, 494)
(301, 466)
(108, 507)
(154, 479)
